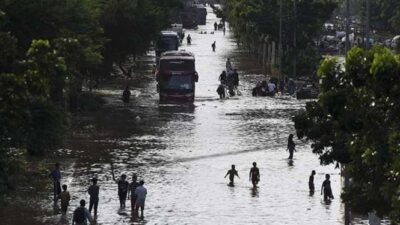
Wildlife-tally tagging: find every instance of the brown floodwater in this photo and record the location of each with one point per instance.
(182, 152)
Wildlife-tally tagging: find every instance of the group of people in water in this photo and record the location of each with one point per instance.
(135, 191)
(229, 81)
(254, 175)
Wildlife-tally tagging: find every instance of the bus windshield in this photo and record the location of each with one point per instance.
(177, 82)
(177, 65)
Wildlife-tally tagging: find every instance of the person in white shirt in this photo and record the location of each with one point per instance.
(140, 193)
(271, 87)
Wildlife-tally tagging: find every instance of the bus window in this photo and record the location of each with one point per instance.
(177, 65)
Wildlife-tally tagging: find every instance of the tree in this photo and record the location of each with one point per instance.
(355, 123)
(252, 19)
(130, 27)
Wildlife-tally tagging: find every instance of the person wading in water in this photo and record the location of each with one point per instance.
(254, 175)
(232, 173)
(291, 146)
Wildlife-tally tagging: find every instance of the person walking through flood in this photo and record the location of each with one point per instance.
(94, 196)
(311, 183)
(228, 65)
(213, 46)
(326, 189)
(81, 215)
(291, 146)
(222, 77)
(123, 187)
(65, 198)
(55, 176)
(221, 91)
(189, 39)
(254, 175)
(232, 173)
(126, 95)
(132, 188)
(141, 193)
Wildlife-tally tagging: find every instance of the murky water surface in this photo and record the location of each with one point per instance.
(183, 152)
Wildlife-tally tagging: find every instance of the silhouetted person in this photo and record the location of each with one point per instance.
(123, 187)
(215, 26)
(228, 65)
(291, 146)
(94, 196)
(254, 175)
(55, 176)
(132, 189)
(235, 78)
(232, 173)
(81, 215)
(221, 91)
(65, 198)
(213, 46)
(311, 183)
(189, 39)
(326, 188)
(126, 94)
(223, 77)
(141, 193)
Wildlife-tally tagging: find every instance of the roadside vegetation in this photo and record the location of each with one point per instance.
(50, 53)
(355, 124)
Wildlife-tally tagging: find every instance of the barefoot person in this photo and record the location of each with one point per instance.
(254, 175)
(141, 193)
(232, 173)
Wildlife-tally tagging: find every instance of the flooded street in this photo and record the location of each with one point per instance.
(183, 152)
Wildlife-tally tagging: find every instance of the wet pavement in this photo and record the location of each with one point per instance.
(183, 152)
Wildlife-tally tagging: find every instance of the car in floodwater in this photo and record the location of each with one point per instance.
(176, 77)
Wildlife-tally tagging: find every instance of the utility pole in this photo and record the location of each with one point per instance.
(295, 38)
(367, 29)
(345, 169)
(347, 46)
(280, 41)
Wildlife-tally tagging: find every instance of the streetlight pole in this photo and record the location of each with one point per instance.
(280, 41)
(347, 45)
(367, 30)
(295, 38)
